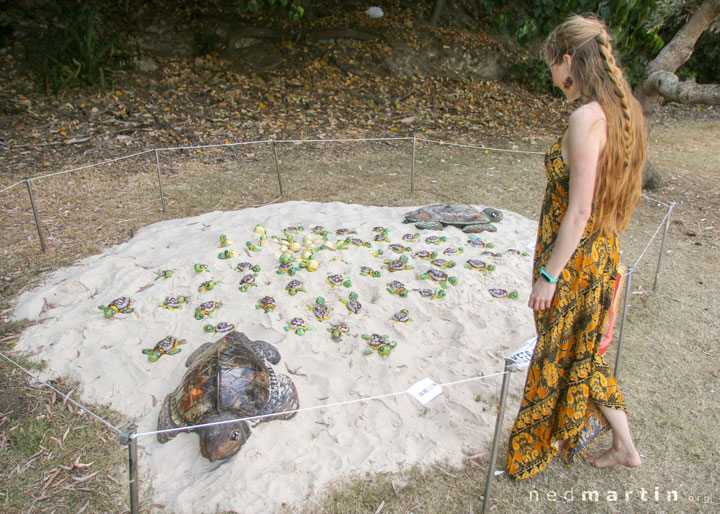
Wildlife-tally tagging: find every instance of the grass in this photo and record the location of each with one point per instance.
(667, 374)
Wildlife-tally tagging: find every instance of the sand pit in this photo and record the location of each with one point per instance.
(465, 334)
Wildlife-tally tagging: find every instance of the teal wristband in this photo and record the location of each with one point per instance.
(544, 274)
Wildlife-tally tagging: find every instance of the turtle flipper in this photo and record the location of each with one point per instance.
(165, 421)
(266, 351)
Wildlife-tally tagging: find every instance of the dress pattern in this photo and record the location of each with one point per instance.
(567, 378)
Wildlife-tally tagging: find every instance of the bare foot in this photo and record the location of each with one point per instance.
(615, 457)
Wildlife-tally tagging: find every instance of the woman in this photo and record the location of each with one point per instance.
(594, 176)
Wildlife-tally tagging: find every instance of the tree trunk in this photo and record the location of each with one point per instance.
(661, 82)
(437, 12)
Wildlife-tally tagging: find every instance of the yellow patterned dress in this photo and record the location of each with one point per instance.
(567, 378)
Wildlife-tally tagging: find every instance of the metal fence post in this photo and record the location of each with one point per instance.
(412, 172)
(662, 245)
(496, 438)
(626, 299)
(35, 213)
(128, 438)
(162, 195)
(277, 166)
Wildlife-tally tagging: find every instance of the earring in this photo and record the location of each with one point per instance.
(568, 82)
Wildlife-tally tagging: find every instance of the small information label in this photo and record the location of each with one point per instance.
(425, 390)
(522, 357)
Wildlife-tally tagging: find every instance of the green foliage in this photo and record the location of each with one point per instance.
(78, 47)
(287, 8)
(634, 26)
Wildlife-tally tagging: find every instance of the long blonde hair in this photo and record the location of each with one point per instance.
(618, 185)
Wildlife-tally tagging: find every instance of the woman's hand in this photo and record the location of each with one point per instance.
(541, 295)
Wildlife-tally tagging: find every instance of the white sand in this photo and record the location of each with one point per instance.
(464, 335)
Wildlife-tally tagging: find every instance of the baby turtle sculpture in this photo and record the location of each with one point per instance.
(431, 294)
(410, 238)
(402, 316)
(451, 251)
(224, 241)
(166, 273)
(397, 264)
(442, 263)
(479, 265)
(382, 237)
(266, 303)
(398, 288)
(367, 271)
(207, 285)
(119, 305)
(378, 343)
(167, 346)
(398, 248)
(220, 328)
(227, 254)
(320, 309)
(319, 230)
(435, 240)
(502, 293)
(338, 280)
(337, 330)
(206, 309)
(465, 217)
(379, 229)
(439, 277)
(297, 325)
(292, 229)
(294, 287)
(345, 232)
(248, 281)
(352, 303)
(424, 254)
(201, 267)
(286, 267)
(247, 266)
(228, 379)
(479, 243)
(172, 303)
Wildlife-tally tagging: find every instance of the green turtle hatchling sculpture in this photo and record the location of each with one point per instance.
(378, 343)
(228, 379)
(465, 217)
(167, 346)
(119, 305)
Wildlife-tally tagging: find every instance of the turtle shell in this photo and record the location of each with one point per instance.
(243, 266)
(294, 284)
(477, 264)
(208, 307)
(227, 377)
(165, 345)
(396, 286)
(396, 265)
(335, 280)
(296, 323)
(437, 275)
(410, 238)
(266, 302)
(476, 243)
(120, 304)
(424, 254)
(453, 214)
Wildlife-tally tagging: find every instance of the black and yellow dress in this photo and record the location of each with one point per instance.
(567, 378)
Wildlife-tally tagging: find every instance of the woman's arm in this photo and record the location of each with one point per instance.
(585, 139)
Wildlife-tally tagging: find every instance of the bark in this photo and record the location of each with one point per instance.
(437, 12)
(661, 82)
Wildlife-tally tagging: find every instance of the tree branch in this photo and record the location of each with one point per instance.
(670, 87)
(678, 51)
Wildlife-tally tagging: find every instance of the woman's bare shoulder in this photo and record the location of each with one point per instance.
(588, 115)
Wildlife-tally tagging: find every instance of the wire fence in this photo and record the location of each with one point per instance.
(187, 165)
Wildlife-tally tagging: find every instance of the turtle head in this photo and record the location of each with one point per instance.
(219, 442)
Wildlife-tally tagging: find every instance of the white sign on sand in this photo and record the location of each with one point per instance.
(425, 390)
(523, 356)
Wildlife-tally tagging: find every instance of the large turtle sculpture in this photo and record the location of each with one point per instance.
(228, 379)
(465, 217)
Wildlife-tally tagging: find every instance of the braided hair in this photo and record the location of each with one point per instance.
(618, 185)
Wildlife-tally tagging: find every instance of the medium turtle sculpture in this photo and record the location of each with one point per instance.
(378, 343)
(118, 305)
(320, 309)
(465, 217)
(367, 271)
(503, 293)
(167, 346)
(229, 379)
(266, 303)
